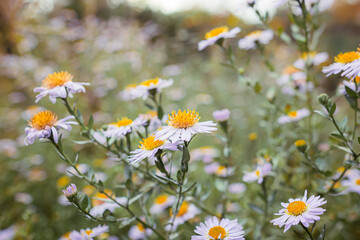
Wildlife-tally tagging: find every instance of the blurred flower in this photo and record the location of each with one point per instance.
(304, 210)
(292, 80)
(218, 170)
(23, 198)
(236, 188)
(294, 116)
(221, 115)
(162, 202)
(252, 136)
(129, 93)
(153, 122)
(348, 63)
(63, 181)
(123, 126)
(59, 84)
(65, 236)
(352, 84)
(312, 6)
(8, 233)
(313, 58)
(206, 154)
(101, 203)
(82, 167)
(149, 147)
(261, 171)
(88, 234)
(186, 212)
(225, 229)
(139, 232)
(256, 37)
(301, 145)
(182, 125)
(352, 181)
(8, 147)
(152, 86)
(216, 34)
(45, 125)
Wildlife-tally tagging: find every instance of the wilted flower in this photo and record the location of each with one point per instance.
(304, 210)
(88, 234)
(186, 212)
(139, 232)
(256, 37)
(123, 126)
(183, 125)
(162, 202)
(149, 147)
(219, 230)
(348, 63)
(59, 84)
(261, 171)
(216, 34)
(45, 124)
(294, 116)
(221, 115)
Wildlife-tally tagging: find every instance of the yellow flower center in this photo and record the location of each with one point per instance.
(292, 114)
(347, 57)
(255, 33)
(150, 143)
(183, 119)
(300, 143)
(96, 202)
(147, 83)
(183, 209)
(123, 122)
(357, 181)
(216, 31)
(161, 199)
(140, 227)
(296, 208)
(217, 232)
(337, 184)
(57, 79)
(307, 55)
(88, 232)
(257, 173)
(130, 86)
(63, 181)
(220, 170)
(43, 119)
(290, 70)
(340, 169)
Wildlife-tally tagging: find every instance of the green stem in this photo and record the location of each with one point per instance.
(307, 231)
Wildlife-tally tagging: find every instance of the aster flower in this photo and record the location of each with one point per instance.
(312, 6)
(348, 64)
(219, 230)
(139, 232)
(183, 125)
(206, 154)
(216, 34)
(256, 37)
(300, 210)
(149, 147)
(122, 127)
(59, 85)
(352, 84)
(294, 116)
(218, 170)
(88, 234)
(153, 122)
(129, 93)
(293, 80)
(261, 171)
(162, 202)
(236, 188)
(45, 124)
(221, 115)
(352, 182)
(152, 85)
(101, 203)
(70, 191)
(186, 212)
(313, 58)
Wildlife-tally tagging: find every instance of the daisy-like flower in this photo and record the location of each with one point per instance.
(293, 80)
(186, 212)
(70, 191)
(304, 210)
(216, 34)
(261, 171)
(219, 230)
(236, 188)
(149, 147)
(352, 182)
(206, 154)
(348, 64)
(45, 124)
(129, 93)
(294, 116)
(101, 203)
(152, 86)
(122, 127)
(153, 122)
(256, 37)
(182, 125)
(88, 234)
(139, 232)
(221, 115)
(313, 58)
(218, 170)
(162, 202)
(59, 85)
(352, 84)
(312, 6)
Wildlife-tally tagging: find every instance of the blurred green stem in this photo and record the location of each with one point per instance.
(307, 231)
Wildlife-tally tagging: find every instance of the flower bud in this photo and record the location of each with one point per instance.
(323, 99)
(301, 145)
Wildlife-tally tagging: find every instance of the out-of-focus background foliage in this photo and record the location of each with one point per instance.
(112, 43)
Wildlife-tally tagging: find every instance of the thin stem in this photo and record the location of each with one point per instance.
(307, 231)
(338, 179)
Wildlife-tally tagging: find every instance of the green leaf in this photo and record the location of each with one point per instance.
(126, 222)
(101, 186)
(76, 158)
(82, 142)
(160, 112)
(322, 114)
(352, 101)
(350, 92)
(191, 187)
(257, 87)
(338, 136)
(256, 208)
(332, 109)
(91, 121)
(345, 149)
(78, 113)
(85, 202)
(343, 124)
(185, 159)
(129, 185)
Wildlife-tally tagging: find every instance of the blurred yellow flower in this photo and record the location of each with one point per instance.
(252, 136)
(63, 181)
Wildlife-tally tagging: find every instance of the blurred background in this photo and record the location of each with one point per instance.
(113, 43)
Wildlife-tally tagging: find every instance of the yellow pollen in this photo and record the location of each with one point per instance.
(216, 31)
(292, 114)
(255, 33)
(347, 57)
(140, 227)
(183, 119)
(147, 83)
(122, 122)
(88, 232)
(290, 70)
(57, 79)
(42, 120)
(257, 172)
(357, 181)
(150, 143)
(300, 143)
(296, 208)
(217, 232)
(161, 199)
(63, 181)
(220, 170)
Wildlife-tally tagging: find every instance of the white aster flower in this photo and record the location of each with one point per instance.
(45, 124)
(236, 188)
(313, 58)
(152, 120)
(294, 116)
(352, 182)
(162, 202)
(8, 233)
(348, 64)
(353, 85)
(122, 127)
(293, 80)
(206, 154)
(218, 170)
(152, 86)
(101, 203)
(256, 37)
(70, 191)
(186, 212)
(129, 93)
(312, 6)
(304, 210)
(183, 125)
(138, 232)
(219, 230)
(261, 171)
(221, 115)
(216, 34)
(59, 85)
(149, 147)
(88, 234)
